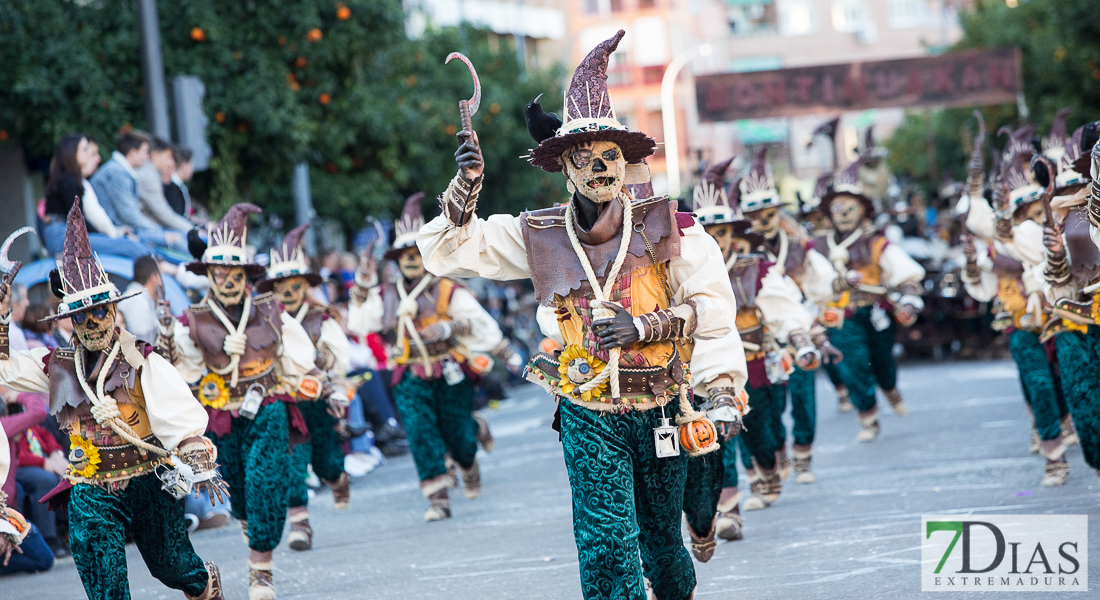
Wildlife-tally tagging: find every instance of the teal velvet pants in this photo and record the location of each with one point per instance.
(626, 501)
(1037, 380)
(438, 420)
(803, 392)
(1079, 366)
(323, 450)
(763, 426)
(868, 357)
(255, 462)
(703, 486)
(98, 522)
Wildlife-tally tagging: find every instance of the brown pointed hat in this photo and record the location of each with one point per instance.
(709, 201)
(813, 203)
(590, 115)
(84, 283)
(847, 183)
(407, 226)
(227, 243)
(757, 187)
(289, 260)
(742, 228)
(1075, 166)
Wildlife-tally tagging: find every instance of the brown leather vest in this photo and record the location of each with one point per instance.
(745, 278)
(1084, 256)
(555, 268)
(264, 332)
(796, 255)
(315, 316)
(432, 306)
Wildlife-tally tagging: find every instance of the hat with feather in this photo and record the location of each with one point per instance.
(848, 183)
(813, 203)
(227, 243)
(1016, 175)
(590, 116)
(1075, 165)
(757, 187)
(407, 226)
(1057, 140)
(80, 278)
(709, 200)
(869, 149)
(289, 260)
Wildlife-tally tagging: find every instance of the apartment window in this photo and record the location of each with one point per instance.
(906, 14)
(796, 17)
(849, 15)
(751, 17)
(601, 7)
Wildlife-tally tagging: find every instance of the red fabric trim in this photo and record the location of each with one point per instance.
(46, 362)
(758, 373)
(58, 498)
(684, 220)
(184, 320)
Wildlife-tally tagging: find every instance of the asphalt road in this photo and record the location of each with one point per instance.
(855, 533)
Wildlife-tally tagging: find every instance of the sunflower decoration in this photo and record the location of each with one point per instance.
(576, 367)
(83, 457)
(212, 391)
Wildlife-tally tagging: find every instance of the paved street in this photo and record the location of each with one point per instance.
(855, 533)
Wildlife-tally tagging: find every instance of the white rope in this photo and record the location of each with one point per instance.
(301, 316)
(105, 408)
(238, 331)
(781, 259)
(838, 253)
(406, 311)
(603, 293)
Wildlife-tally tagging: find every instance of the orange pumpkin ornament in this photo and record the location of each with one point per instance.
(699, 437)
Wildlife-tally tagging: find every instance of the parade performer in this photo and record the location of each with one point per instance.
(885, 280)
(136, 432)
(1072, 274)
(1007, 272)
(431, 324)
(632, 283)
(250, 362)
(790, 251)
(290, 279)
(14, 528)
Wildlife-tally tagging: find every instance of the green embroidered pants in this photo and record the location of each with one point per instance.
(759, 438)
(255, 462)
(1079, 366)
(1037, 381)
(625, 501)
(868, 357)
(803, 391)
(833, 373)
(438, 419)
(703, 486)
(98, 522)
(323, 450)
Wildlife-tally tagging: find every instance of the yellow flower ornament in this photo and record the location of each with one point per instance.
(213, 391)
(576, 367)
(83, 457)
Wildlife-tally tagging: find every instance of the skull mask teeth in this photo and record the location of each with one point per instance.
(228, 284)
(596, 170)
(291, 292)
(411, 264)
(846, 213)
(765, 222)
(97, 329)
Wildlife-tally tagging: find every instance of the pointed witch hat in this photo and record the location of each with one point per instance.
(228, 243)
(709, 201)
(1075, 166)
(847, 183)
(406, 226)
(758, 186)
(813, 203)
(590, 115)
(84, 283)
(289, 260)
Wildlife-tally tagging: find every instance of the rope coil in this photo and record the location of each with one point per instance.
(238, 331)
(105, 408)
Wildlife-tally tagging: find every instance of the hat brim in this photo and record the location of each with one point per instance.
(742, 229)
(827, 201)
(636, 146)
(53, 318)
(396, 251)
(199, 267)
(268, 284)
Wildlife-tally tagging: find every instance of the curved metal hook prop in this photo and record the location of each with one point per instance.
(468, 108)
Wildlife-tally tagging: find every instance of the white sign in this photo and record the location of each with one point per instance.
(1002, 553)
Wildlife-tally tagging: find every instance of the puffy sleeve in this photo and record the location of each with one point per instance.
(898, 267)
(548, 323)
(23, 371)
(699, 277)
(817, 277)
(484, 333)
(1027, 243)
(980, 220)
(366, 316)
(491, 248)
(189, 360)
(174, 413)
(984, 288)
(333, 338)
(713, 358)
(297, 355)
(780, 301)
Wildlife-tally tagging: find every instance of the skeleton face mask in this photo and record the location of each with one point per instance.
(818, 221)
(765, 222)
(411, 264)
(291, 292)
(596, 169)
(1033, 212)
(729, 245)
(847, 213)
(228, 284)
(95, 328)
